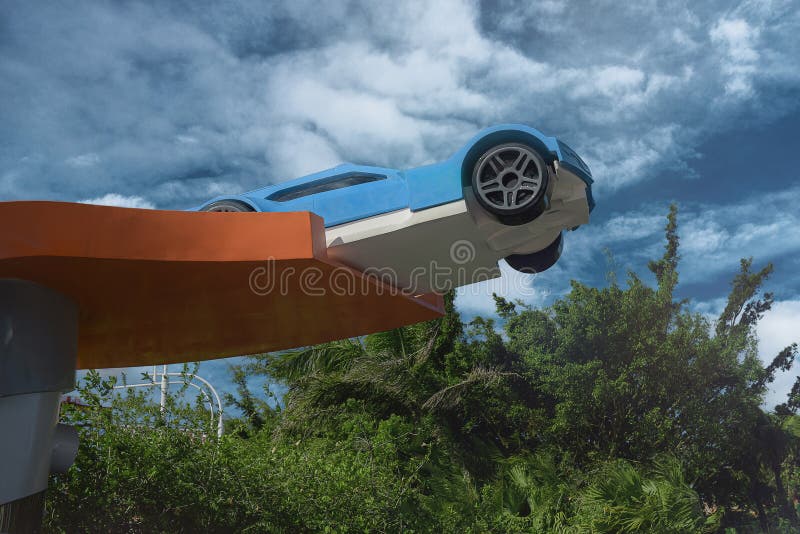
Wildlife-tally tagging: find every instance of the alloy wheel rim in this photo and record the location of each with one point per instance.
(509, 177)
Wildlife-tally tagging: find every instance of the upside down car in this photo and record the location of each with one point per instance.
(509, 193)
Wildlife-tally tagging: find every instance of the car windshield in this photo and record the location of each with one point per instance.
(323, 185)
(570, 154)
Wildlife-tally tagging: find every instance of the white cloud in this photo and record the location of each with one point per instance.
(84, 160)
(779, 328)
(739, 37)
(737, 40)
(476, 299)
(625, 161)
(632, 226)
(186, 139)
(257, 94)
(713, 237)
(710, 309)
(120, 201)
(297, 151)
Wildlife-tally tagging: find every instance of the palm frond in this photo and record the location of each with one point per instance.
(393, 342)
(622, 499)
(331, 357)
(452, 396)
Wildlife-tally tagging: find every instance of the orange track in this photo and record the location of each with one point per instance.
(172, 286)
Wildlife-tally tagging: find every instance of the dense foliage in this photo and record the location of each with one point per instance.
(616, 409)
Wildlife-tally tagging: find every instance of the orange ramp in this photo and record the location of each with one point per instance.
(172, 286)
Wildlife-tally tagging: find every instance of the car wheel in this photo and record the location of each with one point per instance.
(537, 262)
(228, 206)
(510, 181)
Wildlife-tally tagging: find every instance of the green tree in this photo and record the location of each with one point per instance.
(632, 372)
(615, 409)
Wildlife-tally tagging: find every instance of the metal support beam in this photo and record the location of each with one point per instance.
(38, 345)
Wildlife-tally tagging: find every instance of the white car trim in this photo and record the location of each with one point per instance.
(419, 249)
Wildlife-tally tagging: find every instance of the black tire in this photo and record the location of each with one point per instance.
(537, 262)
(511, 182)
(228, 206)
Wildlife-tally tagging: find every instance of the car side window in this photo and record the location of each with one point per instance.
(323, 185)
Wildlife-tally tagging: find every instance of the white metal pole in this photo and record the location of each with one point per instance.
(203, 392)
(220, 426)
(165, 382)
(164, 388)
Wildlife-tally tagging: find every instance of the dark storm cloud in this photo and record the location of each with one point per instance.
(177, 102)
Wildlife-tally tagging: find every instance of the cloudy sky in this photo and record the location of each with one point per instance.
(164, 105)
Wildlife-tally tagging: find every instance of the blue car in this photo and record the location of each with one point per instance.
(509, 193)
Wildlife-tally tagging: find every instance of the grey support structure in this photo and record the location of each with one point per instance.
(38, 351)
